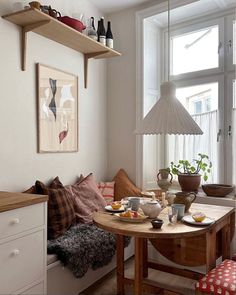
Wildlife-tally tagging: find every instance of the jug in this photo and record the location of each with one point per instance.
(162, 179)
(53, 12)
(185, 198)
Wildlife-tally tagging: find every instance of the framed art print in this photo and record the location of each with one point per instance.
(57, 110)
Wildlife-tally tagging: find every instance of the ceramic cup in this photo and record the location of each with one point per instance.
(134, 203)
(180, 208)
(35, 4)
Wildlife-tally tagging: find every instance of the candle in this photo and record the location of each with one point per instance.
(163, 199)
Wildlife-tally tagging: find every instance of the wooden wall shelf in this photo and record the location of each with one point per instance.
(38, 22)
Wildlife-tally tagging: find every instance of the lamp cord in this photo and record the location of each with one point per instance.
(168, 35)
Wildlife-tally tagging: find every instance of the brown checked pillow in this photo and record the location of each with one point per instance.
(61, 214)
(124, 187)
(56, 183)
(31, 190)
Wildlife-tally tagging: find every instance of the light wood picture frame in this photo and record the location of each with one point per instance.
(57, 93)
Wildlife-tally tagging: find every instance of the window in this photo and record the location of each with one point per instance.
(202, 66)
(234, 131)
(234, 42)
(201, 100)
(191, 48)
(204, 101)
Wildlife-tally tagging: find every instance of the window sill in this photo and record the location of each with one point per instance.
(229, 200)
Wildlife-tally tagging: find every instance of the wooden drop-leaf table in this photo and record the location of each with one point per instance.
(216, 236)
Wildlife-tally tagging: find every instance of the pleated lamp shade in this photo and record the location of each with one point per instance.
(168, 115)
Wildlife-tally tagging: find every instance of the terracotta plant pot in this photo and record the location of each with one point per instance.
(189, 182)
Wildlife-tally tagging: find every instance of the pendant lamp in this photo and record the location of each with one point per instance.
(168, 115)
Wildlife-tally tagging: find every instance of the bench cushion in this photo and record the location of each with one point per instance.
(221, 280)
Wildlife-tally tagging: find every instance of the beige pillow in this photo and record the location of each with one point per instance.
(124, 187)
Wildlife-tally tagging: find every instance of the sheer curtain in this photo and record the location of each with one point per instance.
(234, 146)
(187, 147)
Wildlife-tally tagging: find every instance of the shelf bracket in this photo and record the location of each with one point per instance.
(87, 56)
(24, 32)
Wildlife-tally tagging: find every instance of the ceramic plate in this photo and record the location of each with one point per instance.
(206, 221)
(134, 220)
(109, 208)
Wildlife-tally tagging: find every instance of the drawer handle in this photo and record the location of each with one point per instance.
(16, 221)
(16, 252)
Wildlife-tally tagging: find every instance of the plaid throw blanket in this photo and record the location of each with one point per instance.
(84, 246)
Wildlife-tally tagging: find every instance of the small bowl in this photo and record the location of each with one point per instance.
(116, 205)
(217, 190)
(198, 216)
(157, 223)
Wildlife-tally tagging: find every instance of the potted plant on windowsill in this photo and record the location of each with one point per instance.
(189, 174)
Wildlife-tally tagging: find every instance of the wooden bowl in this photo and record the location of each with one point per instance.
(217, 190)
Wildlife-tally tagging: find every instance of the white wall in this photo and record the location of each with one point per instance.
(122, 93)
(20, 164)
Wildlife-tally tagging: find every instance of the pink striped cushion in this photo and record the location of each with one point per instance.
(86, 198)
(107, 190)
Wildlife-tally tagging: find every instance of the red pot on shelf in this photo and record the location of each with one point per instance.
(73, 23)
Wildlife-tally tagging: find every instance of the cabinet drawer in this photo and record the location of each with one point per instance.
(35, 290)
(22, 262)
(22, 219)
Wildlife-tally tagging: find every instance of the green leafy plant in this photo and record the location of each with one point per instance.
(200, 165)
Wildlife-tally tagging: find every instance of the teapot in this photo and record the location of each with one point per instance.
(186, 198)
(151, 208)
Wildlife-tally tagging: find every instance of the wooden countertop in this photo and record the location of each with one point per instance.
(10, 201)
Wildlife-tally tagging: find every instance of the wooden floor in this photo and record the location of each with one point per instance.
(178, 285)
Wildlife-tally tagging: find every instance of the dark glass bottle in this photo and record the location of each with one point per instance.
(91, 30)
(109, 36)
(92, 18)
(102, 32)
(99, 29)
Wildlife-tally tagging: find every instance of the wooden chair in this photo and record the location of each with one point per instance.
(219, 281)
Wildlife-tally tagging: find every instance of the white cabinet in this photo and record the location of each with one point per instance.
(23, 250)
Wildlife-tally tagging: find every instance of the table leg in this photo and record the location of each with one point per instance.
(120, 264)
(138, 266)
(210, 250)
(145, 258)
(226, 241)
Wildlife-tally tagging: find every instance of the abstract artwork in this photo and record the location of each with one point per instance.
(57, 110)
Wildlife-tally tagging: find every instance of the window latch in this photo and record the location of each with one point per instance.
(229, 131)
(218, 135)
(229, 46)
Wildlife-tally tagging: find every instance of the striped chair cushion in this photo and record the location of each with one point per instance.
(221, 280)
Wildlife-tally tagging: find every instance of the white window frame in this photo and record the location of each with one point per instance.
(139, 18)
(216, 75)
(229, 122)
(221, 113)
(229, 53)
(191, 28)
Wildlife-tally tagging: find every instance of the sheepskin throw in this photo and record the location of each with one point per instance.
(84, 246)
